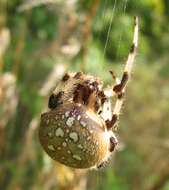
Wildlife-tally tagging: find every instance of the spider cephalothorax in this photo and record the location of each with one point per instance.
(77, 131)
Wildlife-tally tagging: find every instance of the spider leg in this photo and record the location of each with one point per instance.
(109, 92)
(105, 96)
(129, 63)
(119, 88)
(114, 77)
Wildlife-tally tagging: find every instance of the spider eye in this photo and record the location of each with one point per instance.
(55, 100)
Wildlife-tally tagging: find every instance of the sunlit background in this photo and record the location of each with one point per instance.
(42, 39)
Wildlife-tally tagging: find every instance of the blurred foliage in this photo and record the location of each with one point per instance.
(73, 33)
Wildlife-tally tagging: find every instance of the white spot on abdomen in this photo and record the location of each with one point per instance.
(67, 114)
(77, 157)
(64, 144)
(70, 121)
(50, 134)
(78, 117)
(51, 147)
(83, 123)
(74, 136)
(59, 132)
(80, 146)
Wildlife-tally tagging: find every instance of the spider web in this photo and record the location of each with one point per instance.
(110, 27)
(120, 36)
(112, 16)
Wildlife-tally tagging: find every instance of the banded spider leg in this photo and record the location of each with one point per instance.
(119, 88)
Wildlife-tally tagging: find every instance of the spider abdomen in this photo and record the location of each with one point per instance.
(74, 136)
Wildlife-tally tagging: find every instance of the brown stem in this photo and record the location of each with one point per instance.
(162, 180)
(3, 6)
(87, 31)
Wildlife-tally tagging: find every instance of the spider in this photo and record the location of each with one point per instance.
(78, 130)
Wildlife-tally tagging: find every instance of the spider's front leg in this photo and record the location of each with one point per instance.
(119, 88)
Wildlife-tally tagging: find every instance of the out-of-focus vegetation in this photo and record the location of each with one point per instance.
(39, 41)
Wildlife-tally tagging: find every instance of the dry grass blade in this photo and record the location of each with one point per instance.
(35, 3)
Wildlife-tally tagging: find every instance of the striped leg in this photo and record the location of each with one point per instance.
(119, 88)
(115, 78)
(109, 92)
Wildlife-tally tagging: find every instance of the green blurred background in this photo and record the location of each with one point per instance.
(42, 39)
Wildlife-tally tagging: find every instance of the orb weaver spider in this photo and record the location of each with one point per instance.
(78, 129)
